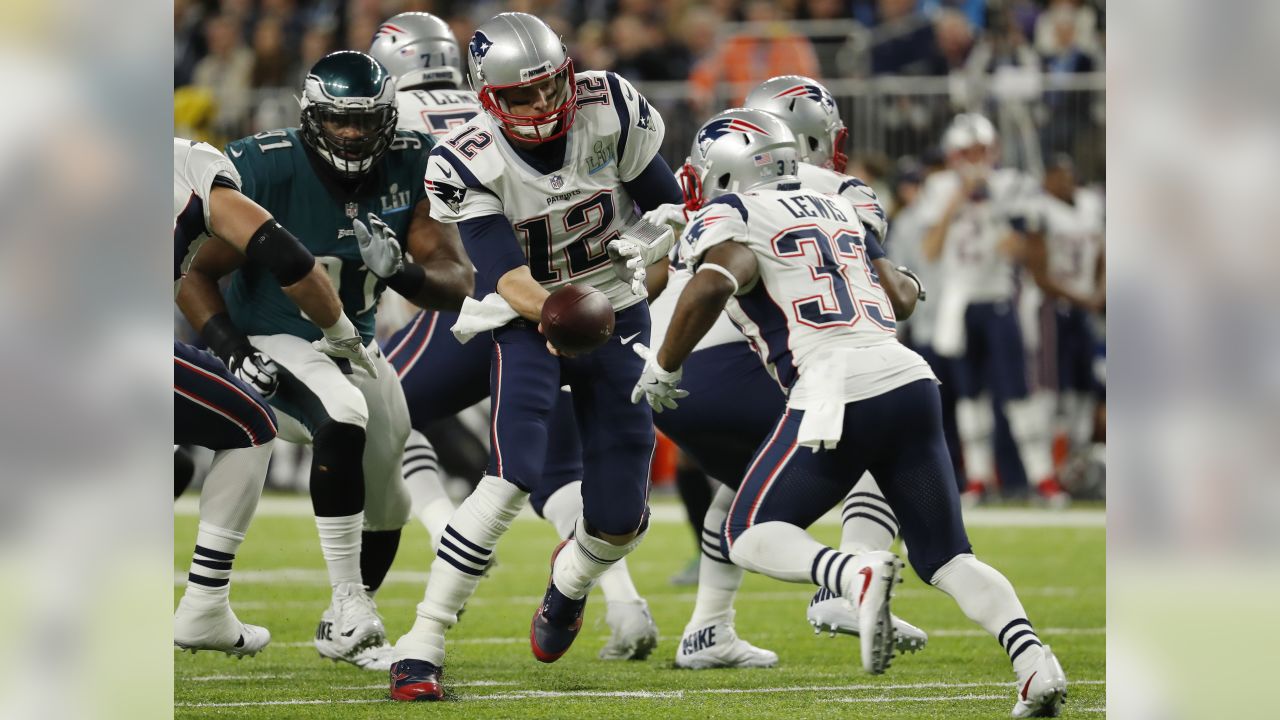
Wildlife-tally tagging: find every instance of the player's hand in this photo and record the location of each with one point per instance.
(921, 295)
(673, 214)
(379, 247)
(349, 348)
(254, 367)
(659, 387)
(628, 265)
(552, 348)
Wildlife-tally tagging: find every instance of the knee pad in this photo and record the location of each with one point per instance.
(337, 470)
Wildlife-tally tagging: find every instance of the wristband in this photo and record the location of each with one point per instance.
(409, 281)
(723, 271)
(223, 337)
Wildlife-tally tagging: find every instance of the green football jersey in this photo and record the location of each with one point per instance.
(278, 173)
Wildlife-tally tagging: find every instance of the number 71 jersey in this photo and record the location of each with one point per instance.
(816, 290)
(564, 218)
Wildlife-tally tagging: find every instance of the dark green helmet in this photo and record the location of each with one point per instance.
(349, 111)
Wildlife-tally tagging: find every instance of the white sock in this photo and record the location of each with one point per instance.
(429, 500)
(974, 423)
(718, 578)
(233, 487)
(465, 550)
(868, 522)
(209, 581)
(786, 552)
(988, 599)
(1029, 425)
(616, 584)
(584, 560)
(1078, 409)
(340, 545)
(563, 508)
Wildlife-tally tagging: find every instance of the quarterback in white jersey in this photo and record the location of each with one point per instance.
(794, 263)
(539, 185)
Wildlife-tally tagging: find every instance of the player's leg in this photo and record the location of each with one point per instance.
(212, 406)
(319, 404)
(558, 499)
(1075, 365)
(785, 490)
(618, 440)
(387, 503)
(975, 422)
(916, 477)
(525, 383)
(694, 489)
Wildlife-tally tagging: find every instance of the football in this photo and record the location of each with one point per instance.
(577, 319)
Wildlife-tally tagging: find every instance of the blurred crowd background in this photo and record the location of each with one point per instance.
(900, 69)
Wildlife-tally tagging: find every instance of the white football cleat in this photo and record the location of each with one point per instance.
(718, 646)
(216, 627)
(1041, 691)
(634, 633)
(875, 575)
(350, 627)
(834, 614)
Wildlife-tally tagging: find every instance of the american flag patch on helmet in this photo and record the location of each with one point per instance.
(763, 159)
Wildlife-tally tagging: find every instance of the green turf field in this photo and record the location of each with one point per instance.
(280, 583)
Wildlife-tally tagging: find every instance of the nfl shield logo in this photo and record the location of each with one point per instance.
(352, 210)
(557, 182)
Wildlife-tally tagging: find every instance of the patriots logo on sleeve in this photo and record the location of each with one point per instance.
(644, 119)
(451, 195)
(480, 45)
(813, 92)
(699, 226)
(719, 128)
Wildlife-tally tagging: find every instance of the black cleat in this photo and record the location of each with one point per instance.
(415, 680)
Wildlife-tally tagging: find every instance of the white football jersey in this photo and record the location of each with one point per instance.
(195, 167)
(1073, 234)
(816, 292)
(436, 112)
(971, 262)
(860, 194)
(565, 218)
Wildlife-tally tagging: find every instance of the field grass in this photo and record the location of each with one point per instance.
(280, 583)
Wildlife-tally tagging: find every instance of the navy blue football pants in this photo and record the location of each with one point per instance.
(213, 408)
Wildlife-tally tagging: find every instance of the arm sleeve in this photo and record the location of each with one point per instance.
(654, 186)
(493, 247)
(640, 128)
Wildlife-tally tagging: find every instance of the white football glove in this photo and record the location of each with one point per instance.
(255, 368)
(628, 265)
(343, 341)
(657, 386)
(379, 248)
(672, 214)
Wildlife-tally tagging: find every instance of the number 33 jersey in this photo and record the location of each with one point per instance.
(563, 219)
(816, 291)
(279, 174)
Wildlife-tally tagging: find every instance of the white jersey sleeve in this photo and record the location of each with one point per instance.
(457, 174)
(436, 112)
(859, 194)
(719, 221)
(640, 127)
(195, 166)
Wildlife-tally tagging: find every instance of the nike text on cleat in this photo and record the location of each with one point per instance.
(1042, 691)
(718, 646)
(831, 613)
(215, 627)
(557, 621)
(634, 634)
(416, 681)
(351, 631)
(870, 592)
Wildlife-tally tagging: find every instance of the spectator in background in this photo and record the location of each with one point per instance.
(904, 41)
(590, 51)
(1080, 15)
(746, 59)
(637, 54)
(954, 36)
(292, 25)
(1068, 111)
(317, 42)
(226, 72)
(272, 61)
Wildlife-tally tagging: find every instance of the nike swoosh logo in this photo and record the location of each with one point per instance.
(447, 172)
(866, 583)
(234, 153)
(1024, 687)
(240, 643)
(628, 338)
(349, 633)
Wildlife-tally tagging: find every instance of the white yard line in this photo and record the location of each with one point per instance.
(300, 506)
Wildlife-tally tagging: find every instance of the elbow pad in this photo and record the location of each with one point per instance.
(276, 249)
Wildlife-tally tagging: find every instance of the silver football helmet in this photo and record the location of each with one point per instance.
(967, 130)
(735, 151)
(810, 111)
(418, 48)
(517, 50)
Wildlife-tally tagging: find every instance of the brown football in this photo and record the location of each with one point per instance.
(577, 319)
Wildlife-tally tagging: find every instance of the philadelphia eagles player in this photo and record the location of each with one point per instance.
(346, 164)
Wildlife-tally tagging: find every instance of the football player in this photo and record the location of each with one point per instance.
(809, 111)
(346, 165)
(791, 265)
(539, 184)
(219, 404)
(441, 376)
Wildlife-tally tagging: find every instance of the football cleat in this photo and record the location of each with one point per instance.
(350, 628)
(216, 628)
(718, 646)
(831, 613)
(634, 633)
(974, 495)
(416, 681)
(1052, 494)
(1041, 691)
(558, 619)
(875, 575)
